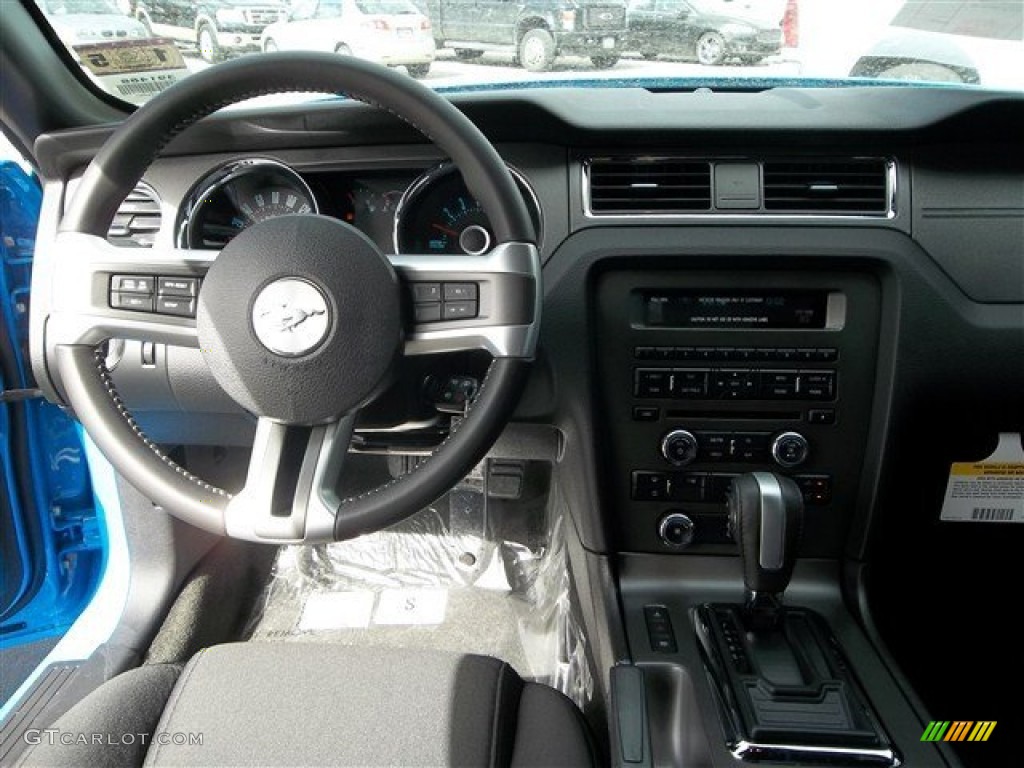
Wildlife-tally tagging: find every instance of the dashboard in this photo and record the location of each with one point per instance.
(716, 297)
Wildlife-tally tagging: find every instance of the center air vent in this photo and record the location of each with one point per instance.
(137, 220)
(827, 186)
(649, 185)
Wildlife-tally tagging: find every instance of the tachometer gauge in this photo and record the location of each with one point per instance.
(239, 195)
(437, 214)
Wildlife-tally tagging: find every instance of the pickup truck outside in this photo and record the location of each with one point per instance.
(535, 31)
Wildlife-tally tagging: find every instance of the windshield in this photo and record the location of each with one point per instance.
(456, 44)
(62, 7)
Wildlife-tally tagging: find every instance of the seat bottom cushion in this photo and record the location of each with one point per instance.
(300, 704)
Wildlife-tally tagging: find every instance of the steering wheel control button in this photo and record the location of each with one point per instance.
(300, 319)
(679, 447)
(460, 292)
(177, 286)
(434, 302)
(132, 284)
(790, 449)
(459, 310)
(291, 317)
(427, 313)
(176, 305)
(423, 293)
(137, 302)
(677, 530)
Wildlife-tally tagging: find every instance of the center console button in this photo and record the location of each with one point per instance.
(818, 385)
(687, 486)
(689, 383)
(650, 486)
(779, 385)
(653, 382)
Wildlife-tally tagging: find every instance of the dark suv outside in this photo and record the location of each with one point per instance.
(218, 28)
(535, 31)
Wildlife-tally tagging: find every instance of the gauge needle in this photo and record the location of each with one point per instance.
(447, 231)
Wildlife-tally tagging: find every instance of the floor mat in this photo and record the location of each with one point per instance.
(17, 663)
(443, 579)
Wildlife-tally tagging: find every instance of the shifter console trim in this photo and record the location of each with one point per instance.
(824, 717)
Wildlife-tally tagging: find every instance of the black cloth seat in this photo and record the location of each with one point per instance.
(304, 704)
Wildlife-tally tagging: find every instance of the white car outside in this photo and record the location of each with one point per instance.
(90, 21)
(389, 32)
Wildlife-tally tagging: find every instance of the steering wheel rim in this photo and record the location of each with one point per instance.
(508, 280)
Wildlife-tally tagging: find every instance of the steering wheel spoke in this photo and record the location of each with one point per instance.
(100, 291)
(490, 302)
(289, 493)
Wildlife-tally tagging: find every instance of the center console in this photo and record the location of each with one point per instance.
(719, 385)
(709, 374)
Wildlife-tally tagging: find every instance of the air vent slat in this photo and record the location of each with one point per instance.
(827, 186)
(634, 185)
(137, 220)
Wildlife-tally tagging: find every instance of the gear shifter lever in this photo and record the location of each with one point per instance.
(765, 516)
(786, 690)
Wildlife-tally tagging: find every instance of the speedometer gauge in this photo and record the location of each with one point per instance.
(437, 214)
(239, 195)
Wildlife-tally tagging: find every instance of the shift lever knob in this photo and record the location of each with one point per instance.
(766, 515)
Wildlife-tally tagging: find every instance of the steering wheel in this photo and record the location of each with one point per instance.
(301, 319)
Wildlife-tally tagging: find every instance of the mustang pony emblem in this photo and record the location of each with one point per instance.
(287, 318)
(291, 317)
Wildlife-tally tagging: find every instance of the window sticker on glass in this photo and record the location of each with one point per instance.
(133, 69)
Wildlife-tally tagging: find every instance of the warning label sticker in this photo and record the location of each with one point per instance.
(989, 491)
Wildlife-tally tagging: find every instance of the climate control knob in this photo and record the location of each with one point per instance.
(790, 449)
(677, 530)
(679, 447)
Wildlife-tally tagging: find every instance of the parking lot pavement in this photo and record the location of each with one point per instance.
(498, 68)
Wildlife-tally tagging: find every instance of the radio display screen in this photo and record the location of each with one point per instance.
(735, 309)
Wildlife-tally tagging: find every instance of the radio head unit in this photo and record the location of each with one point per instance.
(743, 310)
